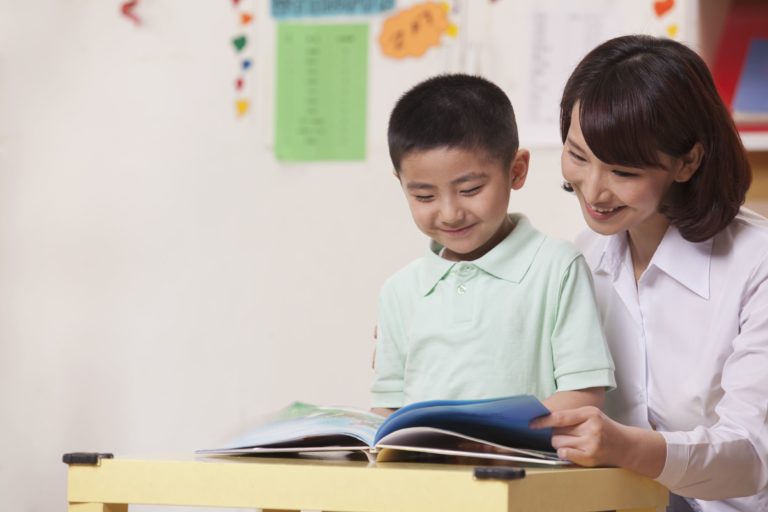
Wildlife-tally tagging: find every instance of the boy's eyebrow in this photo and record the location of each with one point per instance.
(470, 176)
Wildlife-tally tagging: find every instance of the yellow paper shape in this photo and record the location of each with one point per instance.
(413, 31)
(672, 30)
(242, 107)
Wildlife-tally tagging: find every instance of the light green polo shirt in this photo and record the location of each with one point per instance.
(519, 320)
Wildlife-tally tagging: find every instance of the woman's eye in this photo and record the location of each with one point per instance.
(577, 157)
(623, 174)
(472, 191)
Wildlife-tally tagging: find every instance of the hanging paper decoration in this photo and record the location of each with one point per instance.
(664, 10)
(127, 9)
(411, 32)
(662, 7)
(242, 107)
(240, 42)
(285, 9)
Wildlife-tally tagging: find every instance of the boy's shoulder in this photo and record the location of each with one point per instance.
(409, 278)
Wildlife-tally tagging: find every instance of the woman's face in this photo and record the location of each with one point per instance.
(615, 198)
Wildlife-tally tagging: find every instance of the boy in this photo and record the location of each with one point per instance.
(495, 308)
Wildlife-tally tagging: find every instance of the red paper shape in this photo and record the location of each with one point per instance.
(662, 7)
(246, 18)
(127, 10)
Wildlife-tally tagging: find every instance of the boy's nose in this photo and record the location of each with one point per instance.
(450, 213)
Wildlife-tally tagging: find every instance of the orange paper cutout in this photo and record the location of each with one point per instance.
(662, 7)
(245, 18)
(413, 31)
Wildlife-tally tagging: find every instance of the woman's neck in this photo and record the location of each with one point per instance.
(644, 240)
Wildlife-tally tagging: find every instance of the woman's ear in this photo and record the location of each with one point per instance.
(691, 162)
(519, 168)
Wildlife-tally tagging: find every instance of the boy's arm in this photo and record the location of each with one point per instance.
(563, 400)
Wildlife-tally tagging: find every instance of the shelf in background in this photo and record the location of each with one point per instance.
(755, 141)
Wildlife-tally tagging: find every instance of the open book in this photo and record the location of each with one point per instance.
(487, 429)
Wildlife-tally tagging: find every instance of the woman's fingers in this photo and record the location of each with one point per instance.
(566, 418)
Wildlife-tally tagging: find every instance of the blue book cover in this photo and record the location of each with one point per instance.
(750, 103)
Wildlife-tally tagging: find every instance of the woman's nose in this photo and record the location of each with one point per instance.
(592, 187)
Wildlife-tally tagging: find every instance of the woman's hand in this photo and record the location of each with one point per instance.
(586, 436)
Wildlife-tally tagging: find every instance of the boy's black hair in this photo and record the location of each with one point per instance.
(455, 111)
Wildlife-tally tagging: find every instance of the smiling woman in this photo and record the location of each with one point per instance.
(680, 273)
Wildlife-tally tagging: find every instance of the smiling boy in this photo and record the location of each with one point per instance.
(495, 308)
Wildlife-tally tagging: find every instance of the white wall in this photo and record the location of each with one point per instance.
(162, 279)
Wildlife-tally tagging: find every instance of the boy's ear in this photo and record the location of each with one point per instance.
(690, 163)
(519, 168)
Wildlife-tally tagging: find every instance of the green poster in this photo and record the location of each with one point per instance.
(322, 75)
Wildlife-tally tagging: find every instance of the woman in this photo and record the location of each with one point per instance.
(680, 271)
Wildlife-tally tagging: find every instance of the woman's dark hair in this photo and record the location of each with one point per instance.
(455, 111)
(638, 95)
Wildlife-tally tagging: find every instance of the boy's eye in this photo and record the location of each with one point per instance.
(424, 199)
(472, 191)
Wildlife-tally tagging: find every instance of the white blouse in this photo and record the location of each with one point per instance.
(690, 345)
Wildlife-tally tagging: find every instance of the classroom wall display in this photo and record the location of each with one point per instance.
(411, 32)
(533, 61)
(282, 9)
(240, 42)
(128, 9)
(322, 74)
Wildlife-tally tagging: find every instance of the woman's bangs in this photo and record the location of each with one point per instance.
(618, 126)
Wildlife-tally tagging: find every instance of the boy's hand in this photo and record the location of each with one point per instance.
(382, 411)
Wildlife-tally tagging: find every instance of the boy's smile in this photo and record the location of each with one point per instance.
(459, 198)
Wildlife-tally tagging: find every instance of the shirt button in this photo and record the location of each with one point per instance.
(461, 290)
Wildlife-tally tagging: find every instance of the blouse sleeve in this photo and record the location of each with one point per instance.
(730, 458)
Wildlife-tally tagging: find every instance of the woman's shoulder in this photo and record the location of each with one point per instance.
(591, 245)
(747, 232)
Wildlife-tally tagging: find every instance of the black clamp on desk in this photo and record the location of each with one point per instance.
(90, 458)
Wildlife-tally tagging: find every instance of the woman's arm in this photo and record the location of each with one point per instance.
(562, 400)
(588, 437)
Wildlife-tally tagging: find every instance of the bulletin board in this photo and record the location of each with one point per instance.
(351, 60)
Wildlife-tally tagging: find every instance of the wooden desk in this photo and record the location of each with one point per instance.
(292, 484)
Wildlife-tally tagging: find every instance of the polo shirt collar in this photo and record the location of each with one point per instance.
(686, 262)
(509, 260)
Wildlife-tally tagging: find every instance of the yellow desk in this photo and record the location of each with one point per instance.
(340, 486)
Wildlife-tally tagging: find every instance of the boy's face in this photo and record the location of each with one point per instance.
(459, 198)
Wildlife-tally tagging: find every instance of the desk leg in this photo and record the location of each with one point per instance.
(97, 507)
